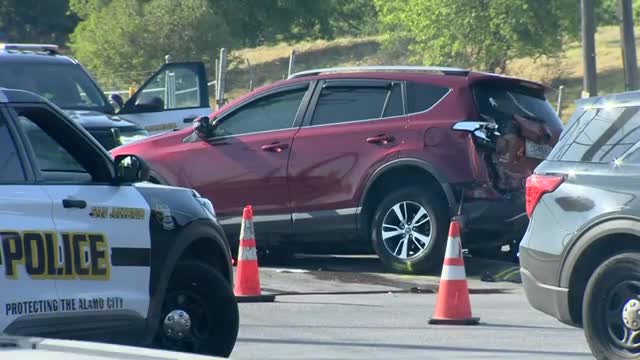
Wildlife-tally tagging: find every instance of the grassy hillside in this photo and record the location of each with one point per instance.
(270, 63)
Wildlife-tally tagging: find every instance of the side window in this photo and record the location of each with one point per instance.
(339, 104)
(11, 170)
(177, 88)
(60, 152)
(49, 155)
(421, 97)
(272, 112)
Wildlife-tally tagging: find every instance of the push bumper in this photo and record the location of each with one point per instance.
(550, 300)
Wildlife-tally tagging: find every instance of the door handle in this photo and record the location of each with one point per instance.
(380, 139)
(72, 203)
(275, 147)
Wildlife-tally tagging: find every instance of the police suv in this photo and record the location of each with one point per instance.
(88, 252)
(170, 99)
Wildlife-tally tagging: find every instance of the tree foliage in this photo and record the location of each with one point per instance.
(482, 34)
(35, 21)
(134, 35)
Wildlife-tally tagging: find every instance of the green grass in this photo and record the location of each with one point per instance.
(270, 64)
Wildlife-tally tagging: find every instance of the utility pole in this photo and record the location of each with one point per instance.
(588, 49)
(628, 45)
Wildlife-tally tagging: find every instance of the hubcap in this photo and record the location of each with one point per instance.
(407, 230)
(623, 317)
(177, 325)
(631, 314)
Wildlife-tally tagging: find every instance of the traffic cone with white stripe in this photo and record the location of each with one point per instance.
(247, 284)
(452, 304)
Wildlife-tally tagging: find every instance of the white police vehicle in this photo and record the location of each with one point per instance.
(89, 253)
(170, 99)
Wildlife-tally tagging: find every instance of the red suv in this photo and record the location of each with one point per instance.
(348, 157)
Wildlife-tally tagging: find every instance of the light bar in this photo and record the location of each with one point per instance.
(30, 47)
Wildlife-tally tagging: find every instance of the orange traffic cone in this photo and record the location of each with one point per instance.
(247, 285)
(452, 304)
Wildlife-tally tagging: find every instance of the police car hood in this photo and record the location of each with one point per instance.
(18, 348)
(94, 119)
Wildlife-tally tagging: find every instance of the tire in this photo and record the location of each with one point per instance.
(420, 261)
(611, 284)
(209, 301)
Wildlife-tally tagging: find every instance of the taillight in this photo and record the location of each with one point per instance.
(538, 185)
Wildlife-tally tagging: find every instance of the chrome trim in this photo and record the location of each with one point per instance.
(380, 69)
(295, 216)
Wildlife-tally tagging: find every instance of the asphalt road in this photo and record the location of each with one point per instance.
(388, 323)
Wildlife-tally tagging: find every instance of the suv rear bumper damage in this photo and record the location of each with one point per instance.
(505, 216)
(551, 300)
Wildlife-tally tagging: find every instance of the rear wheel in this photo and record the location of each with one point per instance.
(200, 313)
(409, 230)
(611, 309)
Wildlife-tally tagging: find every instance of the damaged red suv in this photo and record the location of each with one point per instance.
(348, 158)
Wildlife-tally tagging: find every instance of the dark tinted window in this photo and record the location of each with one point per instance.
(271, 112)
(66, 85)
(50, 156)
(421, 97)
(498, 103)
(10, 167)
(394, 105)
(599, 135)
(338, 104)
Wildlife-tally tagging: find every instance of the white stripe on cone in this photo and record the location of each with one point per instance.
(454, 248)
(453, 272)
(247, 253)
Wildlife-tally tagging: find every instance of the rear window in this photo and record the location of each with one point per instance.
(599, 135)
(421, 97)
(495, 101)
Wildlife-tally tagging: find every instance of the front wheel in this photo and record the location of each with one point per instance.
(409, 230)
(200, 313)
(611, 309)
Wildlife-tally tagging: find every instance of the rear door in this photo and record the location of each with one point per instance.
(170, 99)
(27, 240)
(355, 126)
(102, 230)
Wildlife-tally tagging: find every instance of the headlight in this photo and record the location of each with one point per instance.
(205, 203)
(129, 137)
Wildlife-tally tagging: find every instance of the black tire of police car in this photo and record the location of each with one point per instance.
(207, 298)
(611, 289)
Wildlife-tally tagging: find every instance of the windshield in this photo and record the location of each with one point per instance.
(66, 85)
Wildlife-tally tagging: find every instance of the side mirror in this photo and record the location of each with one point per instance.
(151, 104)
(116, 101)
(203, 126)
(130, 169)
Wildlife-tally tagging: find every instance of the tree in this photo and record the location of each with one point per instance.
(121, 39)
(35, 21)
(482, 34)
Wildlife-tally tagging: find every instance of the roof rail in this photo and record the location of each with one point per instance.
(436, 69)
(48, 48)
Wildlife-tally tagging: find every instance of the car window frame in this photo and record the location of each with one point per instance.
(302, 109)
(355, 82)
(27, 169)
(79, 133)
(196, 66)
